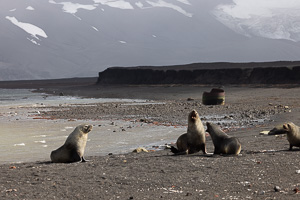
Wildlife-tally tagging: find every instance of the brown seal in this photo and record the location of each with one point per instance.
(279, 129)
(293, 134)
(194, 140)
(222, 142)
(73, 148)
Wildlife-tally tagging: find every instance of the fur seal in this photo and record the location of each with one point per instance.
(293, 134)
(194, 140)
(73, 148)
(222, 142)
(279, 129)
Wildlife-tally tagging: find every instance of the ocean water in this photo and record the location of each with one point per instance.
(26, 137)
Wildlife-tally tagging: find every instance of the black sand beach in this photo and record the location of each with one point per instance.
(264, 170)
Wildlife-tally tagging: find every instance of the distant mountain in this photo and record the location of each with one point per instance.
(45, 39)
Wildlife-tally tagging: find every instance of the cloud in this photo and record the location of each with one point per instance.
(274, 19)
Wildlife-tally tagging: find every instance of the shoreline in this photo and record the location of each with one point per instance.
(264, 163)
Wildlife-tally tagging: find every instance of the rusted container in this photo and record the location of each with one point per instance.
(215, 97)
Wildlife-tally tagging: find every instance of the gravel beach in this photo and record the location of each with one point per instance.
(265, 169)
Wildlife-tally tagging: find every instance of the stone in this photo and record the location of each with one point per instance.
(139, 150)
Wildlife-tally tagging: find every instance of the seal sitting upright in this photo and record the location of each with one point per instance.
(73, 148)
(194, 140)
(222, 142)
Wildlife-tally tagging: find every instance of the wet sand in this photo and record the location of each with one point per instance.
(264, 164)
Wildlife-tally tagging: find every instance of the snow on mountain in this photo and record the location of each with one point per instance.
(29, 28)
(42, 39)
(274, 19)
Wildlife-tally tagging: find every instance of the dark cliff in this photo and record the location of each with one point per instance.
(205, 73)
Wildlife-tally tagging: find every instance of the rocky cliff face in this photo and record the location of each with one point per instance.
(251, 73)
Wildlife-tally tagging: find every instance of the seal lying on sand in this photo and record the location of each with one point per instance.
(222, 142)
(73, 149)
(194, 140)
(293, 134)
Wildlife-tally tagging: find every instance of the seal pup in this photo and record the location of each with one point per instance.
(194, 139)
(222, 142)
(73, 148)
(293, 134)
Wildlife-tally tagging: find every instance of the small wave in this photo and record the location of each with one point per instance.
(40, 136)
(21, 144)
(42, 141)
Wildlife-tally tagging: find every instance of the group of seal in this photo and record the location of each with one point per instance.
(73, 148)
(194, 140)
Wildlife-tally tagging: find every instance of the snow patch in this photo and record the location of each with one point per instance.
(72, 8)
(95, 28)
(123, 42)
(12, 10)
(139, 4)
(29, 28)
(163, 4)
(184, 1)
(33, 41)
(121, 4)
(29, 8)
(274, 19)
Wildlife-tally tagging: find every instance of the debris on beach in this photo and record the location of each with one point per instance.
(264, 133)
(139, 150)
(277, 189)
(215, 97)
(11, 190)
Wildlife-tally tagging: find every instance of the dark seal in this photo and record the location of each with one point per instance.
(222, 142)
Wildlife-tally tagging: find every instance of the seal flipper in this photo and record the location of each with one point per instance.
(74, 156)
(203, 148)
(174, 150)
(217, 151)
(83, 160)
(177, 152)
